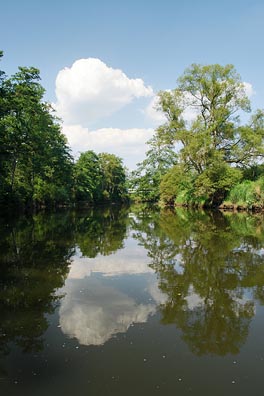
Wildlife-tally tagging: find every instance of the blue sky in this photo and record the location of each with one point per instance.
(152, 40)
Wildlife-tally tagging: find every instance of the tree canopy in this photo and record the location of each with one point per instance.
(100, 178)
(36, 166)
(35, 159)
(203, 121)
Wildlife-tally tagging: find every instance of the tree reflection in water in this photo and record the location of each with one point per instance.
(210, 266)
(34, 258)
(35, 254)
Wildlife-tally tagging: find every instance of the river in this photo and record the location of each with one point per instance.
(132, 301)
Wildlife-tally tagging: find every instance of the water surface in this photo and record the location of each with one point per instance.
(125, 301)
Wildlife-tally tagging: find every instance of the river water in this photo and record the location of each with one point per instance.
(132, 301)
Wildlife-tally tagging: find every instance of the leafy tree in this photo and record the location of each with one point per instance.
(145, 180)
(113, 177)
(99, 178)
(3, 111)
(203, 120)
(175, 182)
(34, 158)
(88, 177)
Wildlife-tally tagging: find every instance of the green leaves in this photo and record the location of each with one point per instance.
(145, 180)
(34, 159)
(99, 178)
(203, 118)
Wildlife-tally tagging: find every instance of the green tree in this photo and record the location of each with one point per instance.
(176, 183)
(145, 180)
(3, 111)
(88, 178)
(35, 160)
(114, 186)
(212, 141)
(99, 178)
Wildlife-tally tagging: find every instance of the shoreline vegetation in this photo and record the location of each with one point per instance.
(202, 155)
(37, 169)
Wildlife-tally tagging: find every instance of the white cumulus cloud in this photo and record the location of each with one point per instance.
(128, 144)
(249, 90)
(90, 90)
(153, 113)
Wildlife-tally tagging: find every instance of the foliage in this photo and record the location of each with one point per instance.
(214, 183)
(113, 182)
(174, 182)
(203, 123)
(34, 158)
(254, 172)
(36, 167)
(145, 180)
(247, 194)
(87, 177)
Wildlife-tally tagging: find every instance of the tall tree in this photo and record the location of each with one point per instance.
(113, 177)
(99, 177)
(35, 160)
(203, 118)
(88, 177)
(145, 180)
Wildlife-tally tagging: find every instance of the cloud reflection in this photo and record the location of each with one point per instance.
(133, 262)
(94, 314)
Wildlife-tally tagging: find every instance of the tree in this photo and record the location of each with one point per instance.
(113, 177)
(99, 177)
(88, 177)
(35, 160)
(203, 118)
(175, 182)
(145, 180)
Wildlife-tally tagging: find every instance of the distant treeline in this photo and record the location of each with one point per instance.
(36, 166)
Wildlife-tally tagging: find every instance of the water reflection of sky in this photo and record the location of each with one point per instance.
(95, 306)
(132, 259)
